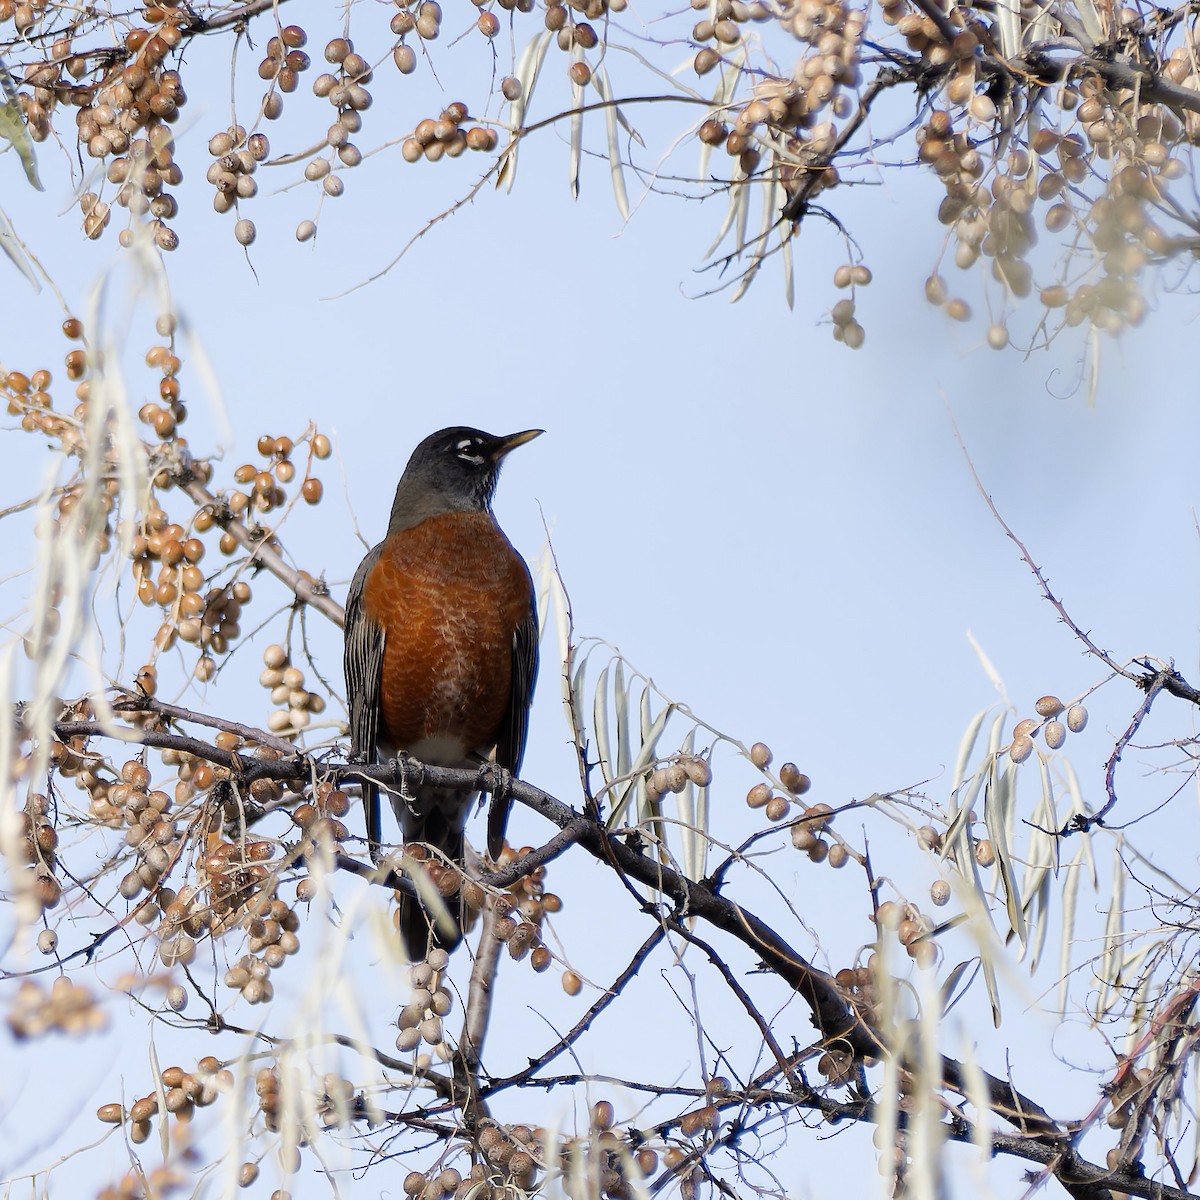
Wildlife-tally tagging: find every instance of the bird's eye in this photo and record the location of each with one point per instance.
(469, 451)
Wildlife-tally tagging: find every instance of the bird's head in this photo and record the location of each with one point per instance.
(453, 470)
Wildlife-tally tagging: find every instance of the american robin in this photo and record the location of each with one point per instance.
(442, 648)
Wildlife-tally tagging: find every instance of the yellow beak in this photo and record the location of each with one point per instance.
(513, 441)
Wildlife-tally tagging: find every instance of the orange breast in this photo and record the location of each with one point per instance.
(450, 594)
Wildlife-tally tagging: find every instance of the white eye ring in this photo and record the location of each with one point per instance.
(465, 446)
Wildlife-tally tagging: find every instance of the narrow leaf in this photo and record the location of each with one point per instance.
(611, 124)
(693, 844)
(789, 274)
(950, 984)
(652, 730)
(13, 129)
(13, 247)
(997, 801)
(576, 154)
(1040, 903)
(529, 67)
(965, 749)
(603, 750)
(986, 663)
(575, 700)
(1068, 901)
(963, 803)
(621, 703)
(1110, 960)
(1078, 808)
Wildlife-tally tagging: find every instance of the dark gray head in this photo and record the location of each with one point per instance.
(453, 470)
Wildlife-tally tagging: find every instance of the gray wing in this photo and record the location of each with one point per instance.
(364, 668)
(510, 747)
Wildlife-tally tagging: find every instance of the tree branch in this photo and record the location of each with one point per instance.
(261, 551)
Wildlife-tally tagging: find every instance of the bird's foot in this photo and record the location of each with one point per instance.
(494, 779)
(407, 773)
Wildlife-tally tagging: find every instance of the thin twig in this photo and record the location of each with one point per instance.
(133, 703)
(743, 996)
(564, 1043)
(1084, 823)
(258, 544)
(1059, 607)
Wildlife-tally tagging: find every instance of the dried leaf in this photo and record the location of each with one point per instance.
(576, 154)
(160, 1092)
(789, 274)
(983, 931)
(13, 129)
(603, 746)
(621, 703)
(693, 855)
(14, 248)
(966, 748)
(976, 1091)
(1109, 970)
(1067, 902)
(611, 124)
(963, 803)
(1039, 904)
(575, 718)
(652, 730)
(998, 800)
(1008, 25)
(988, 669)
(760, 242)
(950, 983)
(1078, 808)
(528, 69)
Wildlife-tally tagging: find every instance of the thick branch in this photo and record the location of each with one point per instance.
(235, 17)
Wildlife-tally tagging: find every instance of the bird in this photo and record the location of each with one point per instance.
(441, 652)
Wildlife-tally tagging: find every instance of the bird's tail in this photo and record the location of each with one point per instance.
(422, 931)
(433, 818)
(370, 799)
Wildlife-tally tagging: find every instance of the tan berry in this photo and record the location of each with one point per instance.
(777, 808)
(759, 795)
(1021, 748)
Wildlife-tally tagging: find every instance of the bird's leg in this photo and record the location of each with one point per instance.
(498, 780)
